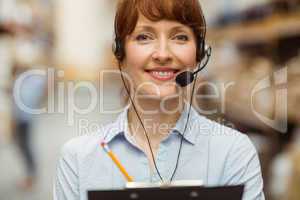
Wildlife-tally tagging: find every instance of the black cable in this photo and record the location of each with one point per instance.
(184, 130)
(145, 132)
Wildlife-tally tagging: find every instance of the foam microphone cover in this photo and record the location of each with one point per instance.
(184, 78)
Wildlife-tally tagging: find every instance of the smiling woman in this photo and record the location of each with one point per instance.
(188, 13)
(156, 52)
(178, 32)
(155, 135)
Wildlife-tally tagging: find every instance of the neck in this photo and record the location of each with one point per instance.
(157, 117)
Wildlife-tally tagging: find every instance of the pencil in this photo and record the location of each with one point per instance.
(116, 161)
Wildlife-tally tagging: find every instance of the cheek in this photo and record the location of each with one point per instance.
(136, 56)
(186, 54)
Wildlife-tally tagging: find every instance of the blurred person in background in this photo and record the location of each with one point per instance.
(24, 22)
(31, 92)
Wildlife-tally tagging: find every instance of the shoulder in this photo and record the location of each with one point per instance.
(217, 130)
(221, 138)
(77, 144)
(85, 144)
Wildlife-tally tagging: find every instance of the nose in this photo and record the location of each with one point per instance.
(162, 53)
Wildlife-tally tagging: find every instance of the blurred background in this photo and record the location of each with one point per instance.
(250, 84)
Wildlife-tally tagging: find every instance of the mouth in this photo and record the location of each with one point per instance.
(162, 74)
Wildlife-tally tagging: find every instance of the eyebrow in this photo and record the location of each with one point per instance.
(151, 29)
(145, 27)
(178, 29)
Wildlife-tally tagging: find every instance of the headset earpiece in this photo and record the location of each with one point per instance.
(200, 49)
(118, 49)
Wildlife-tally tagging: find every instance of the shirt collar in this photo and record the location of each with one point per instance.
(189, 134)
(120, 125)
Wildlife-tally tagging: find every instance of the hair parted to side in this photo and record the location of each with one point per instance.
(187, 12)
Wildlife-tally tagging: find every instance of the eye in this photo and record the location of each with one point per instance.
(143, 37)
(181, 37)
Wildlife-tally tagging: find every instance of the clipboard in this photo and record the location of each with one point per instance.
(173, 192)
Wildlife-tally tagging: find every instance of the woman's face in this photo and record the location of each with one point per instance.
(155, 53)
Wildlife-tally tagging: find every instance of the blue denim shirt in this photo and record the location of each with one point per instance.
(211, 152)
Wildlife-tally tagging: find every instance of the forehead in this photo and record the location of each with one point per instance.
(145, 23)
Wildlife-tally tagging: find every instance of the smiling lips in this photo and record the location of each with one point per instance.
(162, 74)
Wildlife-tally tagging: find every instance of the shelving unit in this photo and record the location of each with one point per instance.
(268, 29)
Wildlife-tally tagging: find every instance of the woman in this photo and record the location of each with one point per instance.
(157, 137)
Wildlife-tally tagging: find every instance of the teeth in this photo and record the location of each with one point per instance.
(162, 74)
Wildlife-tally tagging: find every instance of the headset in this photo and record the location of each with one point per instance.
(119, 50)
(183, 79)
